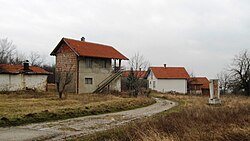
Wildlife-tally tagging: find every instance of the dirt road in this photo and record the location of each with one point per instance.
(66, 129)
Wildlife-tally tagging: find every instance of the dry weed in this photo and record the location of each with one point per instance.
(196, 120)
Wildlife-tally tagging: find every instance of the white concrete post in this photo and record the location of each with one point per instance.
(211, 88)
(218, 91)
(214, 92)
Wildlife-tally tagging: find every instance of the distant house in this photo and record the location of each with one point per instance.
(95, 67)
(139, 74)
(142, 75)
(22, 77)
(165, 79)
(199, 85)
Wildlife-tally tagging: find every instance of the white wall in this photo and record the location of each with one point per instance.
(36, 82)
(151, 80)
(166, 85)
(11, 82)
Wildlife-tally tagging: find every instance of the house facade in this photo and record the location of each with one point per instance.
(18, 77)
(199, 85)
(94, 67)
(166, 79)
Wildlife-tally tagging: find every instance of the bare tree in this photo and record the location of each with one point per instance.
(224, 81)
(138, 66)
(7, 49)
(63, 78)
(19, 58)
(36, 59)
(138, 62)
(191, 80)
(240, 70)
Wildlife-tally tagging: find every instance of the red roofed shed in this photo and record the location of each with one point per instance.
(22, 77)
(199, 85)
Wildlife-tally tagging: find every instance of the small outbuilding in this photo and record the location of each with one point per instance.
(22, 77)
(141, 75)
(199, 85)
(166, 79)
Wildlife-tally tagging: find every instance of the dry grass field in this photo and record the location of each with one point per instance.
(22, 108)
(194, 119)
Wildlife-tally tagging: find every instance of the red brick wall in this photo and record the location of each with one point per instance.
(66, 60)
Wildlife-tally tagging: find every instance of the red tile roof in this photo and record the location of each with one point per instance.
(170, 72)
(140, 74)
(16, 69)
(200, 81)
(83, 48)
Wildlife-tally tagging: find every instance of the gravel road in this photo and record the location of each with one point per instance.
(70, 128)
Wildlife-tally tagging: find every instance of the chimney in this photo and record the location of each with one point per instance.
(83, 39)
(165, 65)
(26, 65)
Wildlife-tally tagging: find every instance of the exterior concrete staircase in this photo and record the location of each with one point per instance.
(107, 81)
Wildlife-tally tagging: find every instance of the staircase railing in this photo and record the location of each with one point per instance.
(107, 81)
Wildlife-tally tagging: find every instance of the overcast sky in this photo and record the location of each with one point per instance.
(201, 35)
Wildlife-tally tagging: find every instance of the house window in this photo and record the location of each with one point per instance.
(88, 80)
(151, 75)
(153, 84)
(88, 63)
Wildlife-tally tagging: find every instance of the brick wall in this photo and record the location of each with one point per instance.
(66, 60)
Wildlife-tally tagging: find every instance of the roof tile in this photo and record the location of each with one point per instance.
(170, 72)
(140, 74)
(10, 68)
(200, 81)
(83, 48)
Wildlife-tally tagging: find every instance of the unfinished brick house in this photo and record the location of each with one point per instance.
(198, 85)
(95, 67)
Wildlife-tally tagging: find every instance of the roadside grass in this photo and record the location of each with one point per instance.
(32, 107)
(192, 120)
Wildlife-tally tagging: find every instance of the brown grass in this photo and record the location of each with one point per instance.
(20, 104)
(195, 120)
(42, 106)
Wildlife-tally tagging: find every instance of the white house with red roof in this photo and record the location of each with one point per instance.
(166, 79)
(22, 77)
(95, 67)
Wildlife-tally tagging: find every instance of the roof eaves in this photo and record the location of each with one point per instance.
(172, 78)
(56, 48)
(9, 72)
(38, 73)
(59, 45)
(70, 47)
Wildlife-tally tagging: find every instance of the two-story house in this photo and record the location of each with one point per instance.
(94, 66)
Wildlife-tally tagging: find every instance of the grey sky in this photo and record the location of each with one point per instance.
(201, 35)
